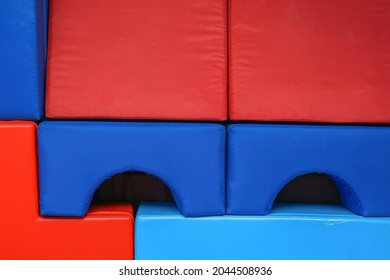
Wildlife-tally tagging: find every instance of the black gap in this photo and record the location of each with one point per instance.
(310, 188)
(132, 187)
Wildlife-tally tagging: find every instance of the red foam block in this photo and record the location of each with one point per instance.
(144, 59)
(302, 60)
(105, 233)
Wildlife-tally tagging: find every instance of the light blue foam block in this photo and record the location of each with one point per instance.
(22, 58)
(291, 231)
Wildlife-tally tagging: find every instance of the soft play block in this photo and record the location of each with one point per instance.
(76, 157)
(22, 59)
(142, 59)
(264, 158)
(300, 231)
(105, 233)
(305, 60)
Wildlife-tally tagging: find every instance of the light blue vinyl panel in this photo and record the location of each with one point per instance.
(291, 232)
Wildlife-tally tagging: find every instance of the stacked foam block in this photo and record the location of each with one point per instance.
(194, 93)
(25, 234)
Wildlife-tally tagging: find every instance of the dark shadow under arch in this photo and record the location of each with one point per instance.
(310, 188)
(320, 187)
(133, 187)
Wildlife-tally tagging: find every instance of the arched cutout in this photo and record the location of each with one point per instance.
(310, 188)
(133, 187)
(347, 195)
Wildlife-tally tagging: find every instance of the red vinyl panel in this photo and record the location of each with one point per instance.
(144, 59)
(302, 60)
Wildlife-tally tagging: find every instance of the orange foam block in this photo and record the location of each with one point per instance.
(105, 233)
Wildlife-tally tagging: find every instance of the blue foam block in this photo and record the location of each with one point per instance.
(22, 59)
(76, 157)
(45, 22)
(289, 232)
(264, 158)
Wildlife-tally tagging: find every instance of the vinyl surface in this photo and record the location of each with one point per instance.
(262, 159)
(76, 157)
(311, 61)
(137, 59)
(22, 59)
(303, 232)
(105, 233)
